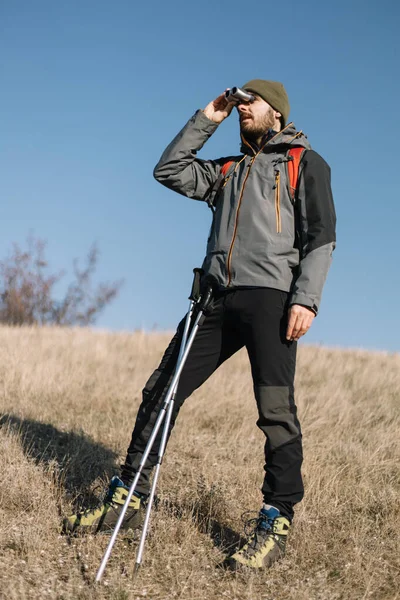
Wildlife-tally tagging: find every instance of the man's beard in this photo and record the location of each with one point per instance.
(254, 129)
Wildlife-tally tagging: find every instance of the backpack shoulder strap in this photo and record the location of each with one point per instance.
(293, 168)
(219, 183)
(226, 166)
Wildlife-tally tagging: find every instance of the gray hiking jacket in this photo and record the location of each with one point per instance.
(259, 236)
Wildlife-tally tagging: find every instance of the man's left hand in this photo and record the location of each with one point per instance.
(299, 321)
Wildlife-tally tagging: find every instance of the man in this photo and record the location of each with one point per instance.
(269, 254)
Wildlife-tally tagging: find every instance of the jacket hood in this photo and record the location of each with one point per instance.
(289, 136)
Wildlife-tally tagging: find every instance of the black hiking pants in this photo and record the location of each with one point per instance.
(257, 319)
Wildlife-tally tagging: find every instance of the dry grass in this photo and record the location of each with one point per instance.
(68, 404)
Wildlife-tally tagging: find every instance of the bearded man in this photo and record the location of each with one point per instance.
(269, 251)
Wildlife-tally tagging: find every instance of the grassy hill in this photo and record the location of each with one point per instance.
(67, 408)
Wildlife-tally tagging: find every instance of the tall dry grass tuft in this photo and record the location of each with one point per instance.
(68, 403)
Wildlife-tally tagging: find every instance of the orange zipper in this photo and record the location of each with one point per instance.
(236, 221)
(278, 201)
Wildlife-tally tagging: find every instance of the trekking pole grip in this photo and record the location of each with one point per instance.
(206, 301)
(195, 293)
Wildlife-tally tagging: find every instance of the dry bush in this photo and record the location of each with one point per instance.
(68, 408)
(27, 289)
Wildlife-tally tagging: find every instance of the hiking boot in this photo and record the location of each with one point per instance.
(266, 544)
(104, 517)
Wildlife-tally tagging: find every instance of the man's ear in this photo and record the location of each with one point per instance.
(277, 114)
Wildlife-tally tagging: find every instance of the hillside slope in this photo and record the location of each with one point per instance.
(67, 407)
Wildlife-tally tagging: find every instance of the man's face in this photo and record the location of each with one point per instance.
(256, 117)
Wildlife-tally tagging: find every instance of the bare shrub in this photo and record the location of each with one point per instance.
(27, 289)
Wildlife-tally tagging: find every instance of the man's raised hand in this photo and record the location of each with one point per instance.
(218, 109)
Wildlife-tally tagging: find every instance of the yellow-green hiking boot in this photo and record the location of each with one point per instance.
(267, 543)
(104, 517)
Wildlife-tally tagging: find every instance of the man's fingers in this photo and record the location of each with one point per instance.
(223, 103)
(229, 107)
(301, 330)
(291, 323)
(217, 110)
(297, 327)
(300, 319)
(221, 99)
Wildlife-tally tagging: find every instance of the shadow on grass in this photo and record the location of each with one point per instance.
(224, 537)
(79, 459)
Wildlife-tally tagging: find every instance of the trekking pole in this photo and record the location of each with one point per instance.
(160, 456)
(203, 302)
(163, 443)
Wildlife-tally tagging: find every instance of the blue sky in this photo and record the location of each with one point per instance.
(93, 91)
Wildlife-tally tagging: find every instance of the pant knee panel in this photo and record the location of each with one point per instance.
(277, 415)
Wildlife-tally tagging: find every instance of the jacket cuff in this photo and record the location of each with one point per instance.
(303, 300)
(204, 122)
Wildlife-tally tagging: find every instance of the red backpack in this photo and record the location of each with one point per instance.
(293, 168)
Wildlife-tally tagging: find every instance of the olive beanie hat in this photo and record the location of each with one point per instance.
(272, 92)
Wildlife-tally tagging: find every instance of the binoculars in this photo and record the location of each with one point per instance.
(238, 95)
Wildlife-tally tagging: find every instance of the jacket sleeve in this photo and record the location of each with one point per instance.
(179, 169)
(316, 221)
